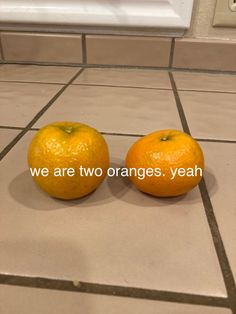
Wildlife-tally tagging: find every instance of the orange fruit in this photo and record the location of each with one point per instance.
(172, 161)
(68, 145)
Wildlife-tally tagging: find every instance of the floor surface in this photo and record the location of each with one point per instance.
(118, 250)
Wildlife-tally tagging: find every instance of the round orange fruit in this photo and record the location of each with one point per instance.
(68, 160)
(171, 160)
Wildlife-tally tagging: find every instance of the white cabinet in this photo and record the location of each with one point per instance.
(127, 13)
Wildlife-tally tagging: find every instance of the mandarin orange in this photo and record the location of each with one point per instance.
(176, 160)
(68, 145)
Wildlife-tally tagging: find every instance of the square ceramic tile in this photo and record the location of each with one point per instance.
(6, 136)
(125, 77)
(205, 54)
(16, 300)
(205, 82)
(115, 109)
(42, 47)
(116, 236)
(34, 73)
(220, 158)
(210, 115)
(128, 50)
(20, 102)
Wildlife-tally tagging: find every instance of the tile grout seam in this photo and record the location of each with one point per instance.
(172, 50)
(210, 215)
(1, 49)
(125, 134)
(121, 86)
(179, 105)
(37, 116)
(112, 290)
(108, 66)
(34, 82)
(84, 49)
(92, 33)
(90, 85)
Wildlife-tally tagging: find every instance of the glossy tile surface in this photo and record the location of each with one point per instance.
(116, 109)
(42, 47)
(16, 300)
(210, 115)
(200, 54)
(20, 102)
(128, 50)
(43, 74)
(205, 82)
(124, 77)
(115, 236)
(6, 136)
(220, 158)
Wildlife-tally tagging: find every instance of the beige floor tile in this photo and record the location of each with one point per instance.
(33, 73)
(124, 77)
(115, 236)
(6, 136)
(220, 158)
(114, 109)
(210, 115)
(20, 102)
(205, 82)
(37, 301)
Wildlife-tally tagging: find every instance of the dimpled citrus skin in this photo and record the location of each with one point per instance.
(165, 149)
(68, 145)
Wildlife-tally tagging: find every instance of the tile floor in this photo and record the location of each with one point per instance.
(156, 255)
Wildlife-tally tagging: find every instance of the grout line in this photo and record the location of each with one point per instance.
(34, 129)
(120, 86)
(212, 222)
(179, 105)
(84, 48)
(110, 290)
(123, 86)
(132, 67)
(1, 50)
(100, 31)
(103, 133)
(205, 71)
(215, 140)
(122, 134)
(37, 116)
(233, 73)
(28, 82)
(43, 64)
(11, 127)
(219, 247)
(156, 88)
(206, 91)
(172, 48)
(126, 134)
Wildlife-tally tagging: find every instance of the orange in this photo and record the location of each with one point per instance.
(68, 145)
(174, 159)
